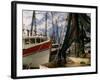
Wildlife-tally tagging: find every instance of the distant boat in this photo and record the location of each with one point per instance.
(36, 50)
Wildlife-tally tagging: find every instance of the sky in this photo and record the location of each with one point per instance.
(58, 17)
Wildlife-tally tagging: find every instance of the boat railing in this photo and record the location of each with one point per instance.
(34, 39)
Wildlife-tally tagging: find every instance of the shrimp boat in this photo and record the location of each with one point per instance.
(36, 47)
(36, 50)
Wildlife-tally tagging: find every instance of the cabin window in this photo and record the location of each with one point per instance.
(38, 40)
(26, 41)
(32, 40)
(42, 40)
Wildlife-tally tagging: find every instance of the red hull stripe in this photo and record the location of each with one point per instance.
(36, 48)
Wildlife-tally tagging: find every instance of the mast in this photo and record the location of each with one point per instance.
(33, 22)
(57, 32)
(53, 32)
(46, 25)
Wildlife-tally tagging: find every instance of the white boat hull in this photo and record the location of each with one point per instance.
(35, 60)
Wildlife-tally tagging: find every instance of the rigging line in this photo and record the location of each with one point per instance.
(59, 46)
(67, 31)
